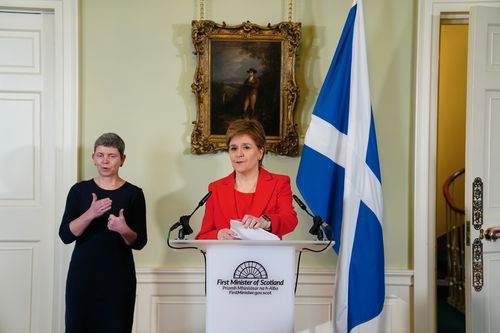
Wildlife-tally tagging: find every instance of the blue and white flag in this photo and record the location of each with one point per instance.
(339, 178)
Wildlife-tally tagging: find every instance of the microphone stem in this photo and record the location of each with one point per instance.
(184, 220)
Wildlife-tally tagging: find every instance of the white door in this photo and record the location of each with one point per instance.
(483, 170)
(27, 172)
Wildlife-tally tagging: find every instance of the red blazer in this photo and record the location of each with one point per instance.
(273, 197)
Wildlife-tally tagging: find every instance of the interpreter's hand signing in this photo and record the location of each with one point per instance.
(99, 207)
(117, 223)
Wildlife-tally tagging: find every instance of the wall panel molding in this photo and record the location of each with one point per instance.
(173, 300)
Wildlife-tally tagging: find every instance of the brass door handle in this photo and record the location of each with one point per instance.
(490, 234)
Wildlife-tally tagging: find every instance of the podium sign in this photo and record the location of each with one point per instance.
(250, 288)
(250, 284)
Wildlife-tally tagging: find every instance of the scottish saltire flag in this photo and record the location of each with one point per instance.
(339, 178)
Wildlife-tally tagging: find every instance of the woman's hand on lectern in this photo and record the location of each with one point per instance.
(253, 222)
(227, 234)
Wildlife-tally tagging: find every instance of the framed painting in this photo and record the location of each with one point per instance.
(245, 71)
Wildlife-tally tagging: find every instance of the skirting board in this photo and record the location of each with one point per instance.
(173, 301)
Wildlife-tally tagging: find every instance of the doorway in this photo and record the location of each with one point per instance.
(425, 151)
(450, 162)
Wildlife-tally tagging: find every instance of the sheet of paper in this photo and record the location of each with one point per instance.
(251, 234)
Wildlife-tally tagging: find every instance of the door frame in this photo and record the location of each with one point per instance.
(66, 88)
(425, 136)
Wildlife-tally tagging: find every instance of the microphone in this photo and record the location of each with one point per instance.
(317, 220)
(301, 204)
(203, 200)
(184, 220)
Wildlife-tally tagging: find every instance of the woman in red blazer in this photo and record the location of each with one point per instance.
(251, 194)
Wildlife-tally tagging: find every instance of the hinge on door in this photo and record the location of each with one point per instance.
(477, 265)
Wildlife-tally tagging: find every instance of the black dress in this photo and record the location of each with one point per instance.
(101, 283)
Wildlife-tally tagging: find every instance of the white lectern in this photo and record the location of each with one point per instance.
(250, 284)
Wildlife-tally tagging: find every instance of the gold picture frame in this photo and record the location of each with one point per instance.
(245, 70)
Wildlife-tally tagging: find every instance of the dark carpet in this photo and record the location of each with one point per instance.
(450, 320)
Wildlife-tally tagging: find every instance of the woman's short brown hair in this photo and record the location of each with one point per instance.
(252, 128)
(111, 140)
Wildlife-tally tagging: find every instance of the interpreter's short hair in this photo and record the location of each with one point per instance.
(253, 128)
(111, 140)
